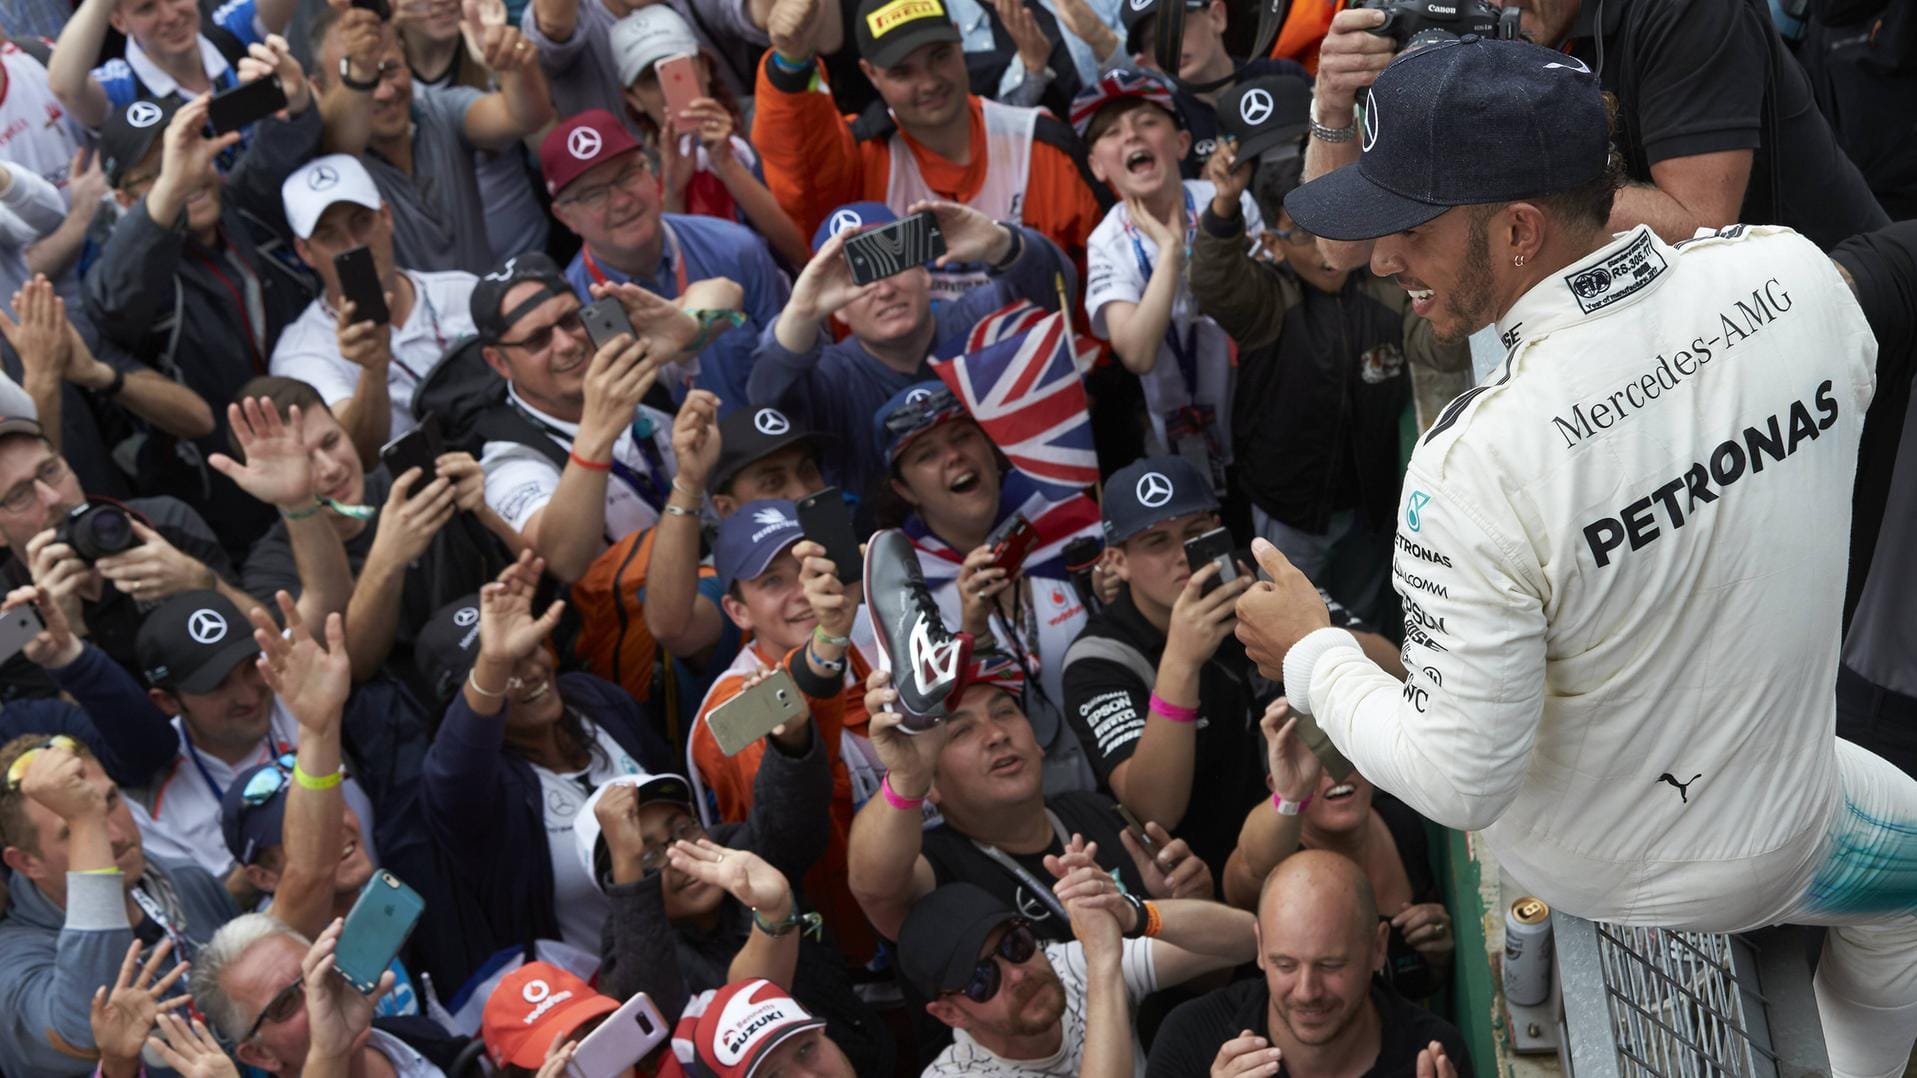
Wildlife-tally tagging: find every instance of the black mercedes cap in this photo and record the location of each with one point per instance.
(129, 133)
(941, 939)
(1461, 123)
(1153, 489)
(888, 30)
(489, 293)
(750, 434)
(447, 645)
(1269, 113)
(192, 641)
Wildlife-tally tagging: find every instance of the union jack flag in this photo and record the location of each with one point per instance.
(1025, 392)
(1017, 317)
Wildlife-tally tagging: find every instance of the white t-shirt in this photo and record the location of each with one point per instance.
(520, 479)
(1118, 262)
(186, 825)
(441, 314)
(965, 1056)
(35, 129)
(581, 907)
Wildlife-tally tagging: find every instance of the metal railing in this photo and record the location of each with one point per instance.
(1659, 1003)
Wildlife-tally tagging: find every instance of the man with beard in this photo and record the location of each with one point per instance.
(1317, 1007)
(1017, 1006)
(1574, 693)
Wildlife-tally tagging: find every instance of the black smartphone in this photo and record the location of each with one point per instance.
(545, 593)
(1213, 546)
(1136, 829)
(230, 110)
(377, 7)
(604, 319)
(359, 282)
(827, 520)
(889, 250)
(417, 448)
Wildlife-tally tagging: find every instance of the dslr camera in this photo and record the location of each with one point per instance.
(96, 531)
(1412, 23)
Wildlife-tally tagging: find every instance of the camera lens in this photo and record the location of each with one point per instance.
(96, 531)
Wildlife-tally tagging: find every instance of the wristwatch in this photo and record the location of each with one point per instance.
(1333, 134)
(346, 77)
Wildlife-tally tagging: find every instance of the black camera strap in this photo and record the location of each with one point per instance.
(1169, 40)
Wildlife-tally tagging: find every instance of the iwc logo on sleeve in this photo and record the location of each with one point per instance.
(1618, 277)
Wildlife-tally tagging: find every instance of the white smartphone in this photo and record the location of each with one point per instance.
(627, 1036)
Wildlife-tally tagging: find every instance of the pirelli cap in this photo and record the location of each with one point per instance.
(888, 30)
(1461, 123)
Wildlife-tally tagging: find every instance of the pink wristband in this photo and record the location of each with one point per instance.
(1278, 802)
(1173, 711)
(897, 800)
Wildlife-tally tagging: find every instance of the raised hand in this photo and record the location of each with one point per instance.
(278, 469)
(1166, 233)
(1078, 854)
(508, 631)
(123, 1014)
(415, 510)
(662, 325)
(187, 160)
(56, 778)
(1295, 770)
(979, 585)
(789, 25)
(825, 286)
(190, 1049)
(1176, 872)
(64, 577)
(40, 335)
(1273, 615)
(1349, 60)
(1227, 176)
(910, 759)
(833, 602)
(312, 679)
(364, 343)
(555, 1064)
(467, 477)
(54, 646)
(336, 1013)
(740, 873)
(1201, 620)
(695, 439)
(1033, 47)
(274, 58)
(502, 48)
(970, 236)
(1432, 1062)
(154, 569)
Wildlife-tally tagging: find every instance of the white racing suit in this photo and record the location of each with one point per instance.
(1622, 562)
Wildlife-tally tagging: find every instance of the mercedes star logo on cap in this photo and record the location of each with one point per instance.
(1255, 106)
(465, 616)
(1370, 136)
(583, 143)
(142, 114)
(771, 423)
(322, 177)
(1153, 490)
(206, 626)
(844, 219)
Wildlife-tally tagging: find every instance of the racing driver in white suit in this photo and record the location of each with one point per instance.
(1622, 558)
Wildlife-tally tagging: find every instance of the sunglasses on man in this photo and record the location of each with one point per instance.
(1015, 947)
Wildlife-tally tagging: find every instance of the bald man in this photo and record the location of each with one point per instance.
(1318, 1009)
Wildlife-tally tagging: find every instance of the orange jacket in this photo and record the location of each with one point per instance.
(817, 160)
(1304, 29)
(729, 778)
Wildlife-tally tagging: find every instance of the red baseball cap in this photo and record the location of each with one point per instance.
(743, 1023)
(531, 1008)
(579, 143)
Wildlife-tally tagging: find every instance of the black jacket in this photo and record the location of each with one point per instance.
(173, 303)
(1322, 380)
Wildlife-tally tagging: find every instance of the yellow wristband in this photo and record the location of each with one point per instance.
(311, 783)
(96, 872)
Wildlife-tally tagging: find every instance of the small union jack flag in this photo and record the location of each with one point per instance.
(1017, 317)
(1025, 392)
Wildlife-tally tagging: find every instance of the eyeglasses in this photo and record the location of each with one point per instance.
(53, 471)
(685, 829)
(1015, 947)
(17, 771)
(540, 338)
(1296, 237)
(285, 1004)
(594, 198)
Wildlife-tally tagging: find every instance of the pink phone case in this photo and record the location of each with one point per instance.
(679, 81)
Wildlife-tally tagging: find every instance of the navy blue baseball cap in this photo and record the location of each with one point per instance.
(911, 412)
(1461, 123)
(855, 216)
(1153, 489)
(750, 538)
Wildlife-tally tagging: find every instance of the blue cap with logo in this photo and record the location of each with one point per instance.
(853, 216)
(1150, 490)
(751, 537)
(1461, 123)
(911, 412)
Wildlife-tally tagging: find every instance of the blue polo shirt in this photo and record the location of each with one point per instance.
(126, 81)
(711, 247)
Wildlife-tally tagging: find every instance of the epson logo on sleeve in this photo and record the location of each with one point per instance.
(1618, 277)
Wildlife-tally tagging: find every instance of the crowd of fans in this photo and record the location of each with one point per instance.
(277, 664)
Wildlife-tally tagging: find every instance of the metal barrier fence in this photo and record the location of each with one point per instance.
(1658, 1003)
